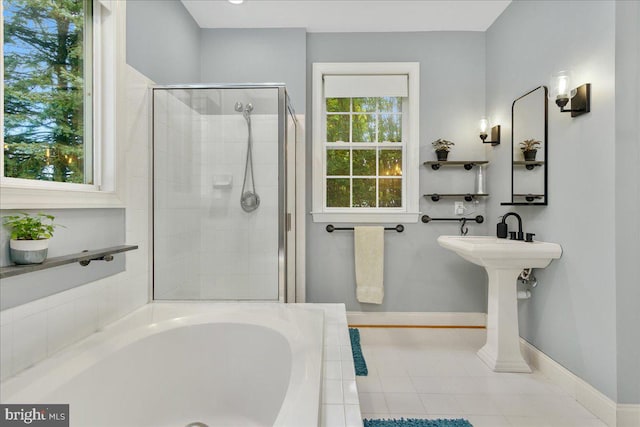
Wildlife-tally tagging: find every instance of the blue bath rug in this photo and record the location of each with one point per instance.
(358, 358)
(415, 422)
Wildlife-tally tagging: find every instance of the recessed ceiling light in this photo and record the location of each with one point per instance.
(236, 1)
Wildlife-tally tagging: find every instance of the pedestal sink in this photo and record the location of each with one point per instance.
(504, 260)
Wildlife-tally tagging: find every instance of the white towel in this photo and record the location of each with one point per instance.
(369, 260)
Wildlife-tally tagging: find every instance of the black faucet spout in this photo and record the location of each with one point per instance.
(503, 230)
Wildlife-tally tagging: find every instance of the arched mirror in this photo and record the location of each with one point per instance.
(529, 149)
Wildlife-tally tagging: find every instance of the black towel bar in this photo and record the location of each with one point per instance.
(426, 219)
(330, 228)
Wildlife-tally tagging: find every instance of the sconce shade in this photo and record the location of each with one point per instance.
(561, 92)
(560, 87)
(484, 125)
(495, 132)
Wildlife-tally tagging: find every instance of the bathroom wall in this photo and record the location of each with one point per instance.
(572, 314)
(163, 41)
(419, 275)
(256, 56)
(627, 205)
(76, 233)
(32, 331)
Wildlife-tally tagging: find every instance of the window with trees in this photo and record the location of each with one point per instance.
(365, 142)
(48, 114)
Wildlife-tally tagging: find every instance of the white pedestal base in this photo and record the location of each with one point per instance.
(502, 349)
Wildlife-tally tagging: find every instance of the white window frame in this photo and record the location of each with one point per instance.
(108, 64)
(411, 131)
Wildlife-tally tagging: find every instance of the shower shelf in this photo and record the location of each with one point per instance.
(83, 258)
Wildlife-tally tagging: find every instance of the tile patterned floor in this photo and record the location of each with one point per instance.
(435, 373)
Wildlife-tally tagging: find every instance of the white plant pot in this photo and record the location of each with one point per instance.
(28, 251)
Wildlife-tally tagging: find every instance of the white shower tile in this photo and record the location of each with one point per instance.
(332, 416)
(350, 392)
(6, 351)
(332, 391)
(29, 340)
(86, 312)
(352, 416)
(333, 369)
(62, 328)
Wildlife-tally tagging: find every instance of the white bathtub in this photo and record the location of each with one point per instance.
(172, 364)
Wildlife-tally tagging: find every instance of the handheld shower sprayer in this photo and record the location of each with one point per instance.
(249, 199)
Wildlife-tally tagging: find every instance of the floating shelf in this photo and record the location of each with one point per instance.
(530, 200)
(467, 196)
(529, 164)
(468, 164)
(84, 258)
(530, 197)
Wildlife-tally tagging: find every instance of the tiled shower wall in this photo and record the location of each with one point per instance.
(239, 250)
(207, 247)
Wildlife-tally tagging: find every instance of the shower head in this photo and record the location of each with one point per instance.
(238, 107)
(248, 108)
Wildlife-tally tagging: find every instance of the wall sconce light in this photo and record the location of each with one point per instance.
(561, 92)
(495, 132)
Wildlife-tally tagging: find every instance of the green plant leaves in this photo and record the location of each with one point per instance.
(30, 227)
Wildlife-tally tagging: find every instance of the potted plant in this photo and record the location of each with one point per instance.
(30, 236)
(529, 149)
(442, 147)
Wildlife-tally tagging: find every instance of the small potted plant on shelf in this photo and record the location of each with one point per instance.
(30, 236)
(529, 149)
(442, 147)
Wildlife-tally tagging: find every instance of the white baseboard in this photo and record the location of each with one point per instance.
(628, 415)
(416, 318)
(597, 403)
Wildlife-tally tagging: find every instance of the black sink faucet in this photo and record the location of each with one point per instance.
(502, 229)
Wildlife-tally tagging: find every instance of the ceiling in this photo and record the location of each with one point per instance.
(349, 15)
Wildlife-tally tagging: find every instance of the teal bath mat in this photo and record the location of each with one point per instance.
(415, 422)
(358, 358)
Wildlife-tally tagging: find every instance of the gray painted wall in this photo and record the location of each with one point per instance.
(572, 315)
(628, 198)
(83, 229)
(419, 274)
(256, 56)
(163, 41)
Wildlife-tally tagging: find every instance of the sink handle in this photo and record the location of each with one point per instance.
(501, 230)
(530, 237)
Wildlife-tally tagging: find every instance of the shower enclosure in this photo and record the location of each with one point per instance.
(223, 193)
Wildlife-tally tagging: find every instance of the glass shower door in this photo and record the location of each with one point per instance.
(217, 209)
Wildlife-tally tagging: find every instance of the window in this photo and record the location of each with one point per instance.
(47, 90)
(365, 128)
(60, 62)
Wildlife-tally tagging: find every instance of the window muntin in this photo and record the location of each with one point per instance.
(364, 153)
(48, 57)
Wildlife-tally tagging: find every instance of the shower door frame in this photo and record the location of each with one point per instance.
(286, 260)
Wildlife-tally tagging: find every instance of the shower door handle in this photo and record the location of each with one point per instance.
(288, 222)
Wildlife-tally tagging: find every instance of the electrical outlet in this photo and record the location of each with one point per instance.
(458, 208)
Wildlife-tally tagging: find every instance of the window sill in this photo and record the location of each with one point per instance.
(375, 217)
(39, 198)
